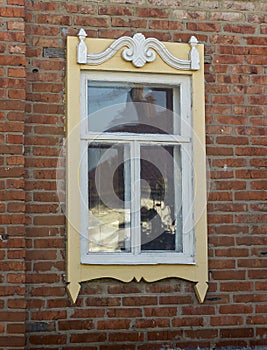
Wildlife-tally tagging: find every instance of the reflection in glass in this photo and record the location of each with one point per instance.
(121, 107)
(109, 198)
(161, 202)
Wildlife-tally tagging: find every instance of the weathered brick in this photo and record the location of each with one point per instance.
(99, 22)
(115, 10)
(89, 337)
(152, 12)
(113, 324)
(237, 333)
(47, 339)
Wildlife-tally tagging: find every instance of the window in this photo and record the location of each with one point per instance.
(135, 162)
(137, 178)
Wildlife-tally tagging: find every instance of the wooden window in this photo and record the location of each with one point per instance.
(137, 181)
(136, 190)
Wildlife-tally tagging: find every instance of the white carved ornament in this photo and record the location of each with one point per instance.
(139, 51)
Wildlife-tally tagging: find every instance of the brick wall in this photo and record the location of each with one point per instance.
(12, 194)
(110, 314)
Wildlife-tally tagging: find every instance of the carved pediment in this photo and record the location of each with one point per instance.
(138, 50)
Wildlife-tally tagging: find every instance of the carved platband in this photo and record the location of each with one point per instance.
(139, 51)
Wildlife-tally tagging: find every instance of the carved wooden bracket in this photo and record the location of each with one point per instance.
(139, 51)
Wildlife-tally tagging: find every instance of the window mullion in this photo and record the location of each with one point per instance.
(135, 195)
(178, 205)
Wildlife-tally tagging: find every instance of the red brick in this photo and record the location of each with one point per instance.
(89, 337)
(250, 298)
(115, 11)
(76, 8)
(14, 139)
(159, 322)
(235, 309)
(128, 22)
(126, 337)
(164, 25)
(228, 274)
(142, 300)
(252, 263)
(113, 33)
(188, 322)
(124, 312)
(75, 324)
(203, 27)
(103, 301)
(99, 22)
(152, 12)
(10, 291)
(251, 240)
(50, 220)
(59, 303)
(164, 335)
(198, 310)
(124, 289)
(113, 324)
(12, 12)
(12, 316)
(15, 160)
(14, 341)
(16, 278)
(53, 19)
(90, 313)
(201, 334)
(45, 254)
(49, 315)
(48, 339)
(17, 72)
(261, 332)
(243, 29)
(17, 304)
(160, 311)
(175, 299)
(226, 321)
(46, 266)
(232, 343)
(16, 328)
(47, 87)
(10, 105)
(42, 208)
(237, 286)
(42, 278)
(220, 219)
(220, 196)
(237, 333)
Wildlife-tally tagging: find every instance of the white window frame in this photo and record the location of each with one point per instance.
(184, 140)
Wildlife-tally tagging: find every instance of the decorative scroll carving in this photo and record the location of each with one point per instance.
(139, 51)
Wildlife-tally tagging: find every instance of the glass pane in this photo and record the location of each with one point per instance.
(109, 198)
(127, 107)
(161, 198)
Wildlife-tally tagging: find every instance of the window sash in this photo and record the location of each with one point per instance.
(182, 108)
(136, 255)
(184, 139)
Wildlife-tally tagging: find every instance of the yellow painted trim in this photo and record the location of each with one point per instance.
(77, 272)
